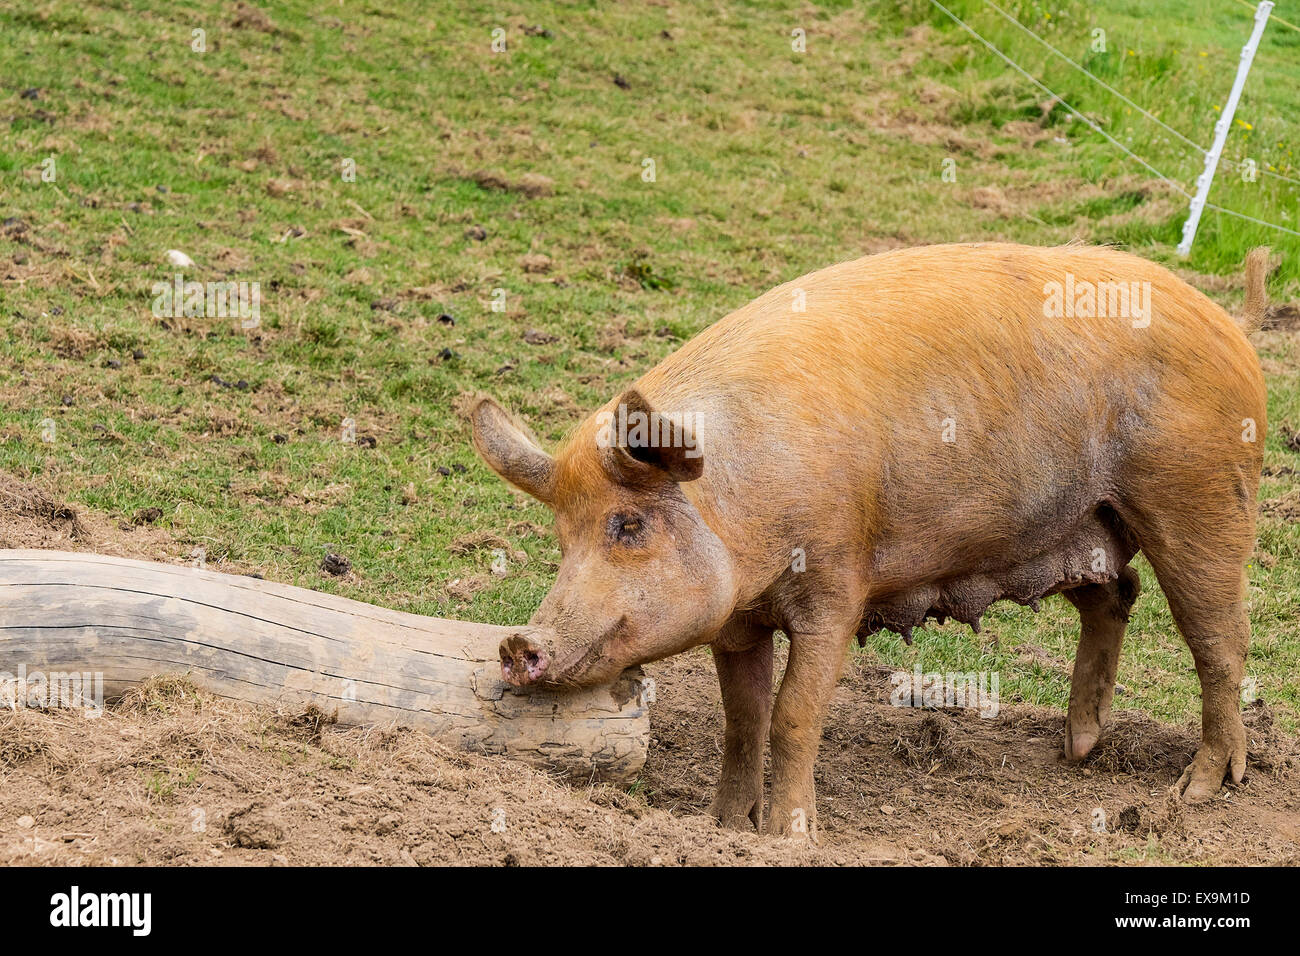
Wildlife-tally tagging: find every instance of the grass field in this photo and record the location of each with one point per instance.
(521, 180)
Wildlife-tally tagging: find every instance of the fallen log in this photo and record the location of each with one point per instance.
(252, 640)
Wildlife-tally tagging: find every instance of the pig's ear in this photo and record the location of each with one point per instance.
(510, 450)
(663, 446)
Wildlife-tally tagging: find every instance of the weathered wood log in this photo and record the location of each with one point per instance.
(266, 643)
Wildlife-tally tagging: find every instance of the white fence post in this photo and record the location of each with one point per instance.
(1221, 129)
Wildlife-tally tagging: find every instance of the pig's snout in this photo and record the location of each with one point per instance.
(524, 657)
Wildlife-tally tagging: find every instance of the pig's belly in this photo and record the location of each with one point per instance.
(1092, 551)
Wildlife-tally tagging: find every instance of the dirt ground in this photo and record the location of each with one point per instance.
(170, 775)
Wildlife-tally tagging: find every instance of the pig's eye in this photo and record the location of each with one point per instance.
(626, 528)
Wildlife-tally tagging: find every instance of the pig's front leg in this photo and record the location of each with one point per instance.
(810, 676)
(742, 654)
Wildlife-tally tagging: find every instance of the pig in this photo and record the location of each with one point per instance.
(911, 435)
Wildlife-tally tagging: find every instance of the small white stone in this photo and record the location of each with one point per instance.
(179, 259)
(26, 822)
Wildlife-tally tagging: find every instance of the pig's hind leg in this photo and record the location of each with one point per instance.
(1103, 612)
(1212, 617)
(742, 654)
(1198, 544)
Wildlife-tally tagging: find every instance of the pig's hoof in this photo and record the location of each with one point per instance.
(796, 825)
(1211, 765)
(738, 811)
(1079, 743)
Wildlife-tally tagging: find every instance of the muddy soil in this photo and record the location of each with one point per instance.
(172, 776)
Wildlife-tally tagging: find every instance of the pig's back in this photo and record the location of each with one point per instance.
(935, 329)
(944, 308)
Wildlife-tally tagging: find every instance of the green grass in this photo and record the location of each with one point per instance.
(769, 163)
(1176, 61)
